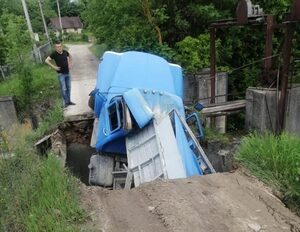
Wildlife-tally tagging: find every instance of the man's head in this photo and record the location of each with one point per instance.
(58, 47)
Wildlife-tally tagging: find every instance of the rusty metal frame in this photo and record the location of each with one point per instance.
(213, 29)
(271, 24)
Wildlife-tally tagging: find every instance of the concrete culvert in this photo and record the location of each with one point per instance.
(79, 152)
(221, 155)
(78, 159)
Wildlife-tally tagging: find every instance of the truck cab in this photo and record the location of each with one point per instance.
(136, 91)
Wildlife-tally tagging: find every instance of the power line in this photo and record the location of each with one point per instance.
(241, 67)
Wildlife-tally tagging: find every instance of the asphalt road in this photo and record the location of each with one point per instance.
(83, 81)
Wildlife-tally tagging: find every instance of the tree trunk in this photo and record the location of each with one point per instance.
(147, 13)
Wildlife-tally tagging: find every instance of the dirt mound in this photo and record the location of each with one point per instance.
(219, 202)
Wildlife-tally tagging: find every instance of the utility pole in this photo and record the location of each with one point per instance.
(36, 53)
(44, 22)
(59, 17)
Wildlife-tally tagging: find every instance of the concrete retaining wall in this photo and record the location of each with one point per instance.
(197, 88)
(292, 116)
(8, 115)
(261, 110)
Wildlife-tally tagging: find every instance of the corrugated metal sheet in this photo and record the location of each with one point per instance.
(153, 153)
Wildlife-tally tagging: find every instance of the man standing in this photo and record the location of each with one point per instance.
(62, 59)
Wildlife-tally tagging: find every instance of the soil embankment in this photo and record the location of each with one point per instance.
(232, 202)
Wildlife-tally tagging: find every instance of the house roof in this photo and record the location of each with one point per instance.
(67, 22)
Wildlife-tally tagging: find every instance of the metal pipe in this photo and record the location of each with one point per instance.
(212, 64)
(268, 48)
(296, 10)
(287, 47)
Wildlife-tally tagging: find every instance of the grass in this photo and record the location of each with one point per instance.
(276, 161)
(53, 117)
(45, 83)
(212, 135)
(37, 194)
(98, 49)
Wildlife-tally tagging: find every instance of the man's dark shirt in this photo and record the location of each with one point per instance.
(61, 61)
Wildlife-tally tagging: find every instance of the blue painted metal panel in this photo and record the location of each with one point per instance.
(143, 71)
(106, 70)
(178, 79)
(107, 142)
(138, 107)
(188, 157)
(100, 100)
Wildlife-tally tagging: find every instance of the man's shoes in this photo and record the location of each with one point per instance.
(69, 104)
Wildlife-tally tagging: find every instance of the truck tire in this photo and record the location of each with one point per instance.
(91, 102)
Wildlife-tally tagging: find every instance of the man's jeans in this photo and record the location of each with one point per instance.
(65, 86)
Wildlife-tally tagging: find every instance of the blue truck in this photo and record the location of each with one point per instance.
(141, 129)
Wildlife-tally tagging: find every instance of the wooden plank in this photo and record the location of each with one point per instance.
(217, 114)
(224, 107)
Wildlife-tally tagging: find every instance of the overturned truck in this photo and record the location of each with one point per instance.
(141, 131)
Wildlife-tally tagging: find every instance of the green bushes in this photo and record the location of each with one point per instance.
(275, 160)
(43, 88)
(76, 37)
(193, 53)
(98, 49)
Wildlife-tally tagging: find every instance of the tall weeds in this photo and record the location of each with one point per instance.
(37, 194)
(275, 160)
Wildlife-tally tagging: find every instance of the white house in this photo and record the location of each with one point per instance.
(69, 25)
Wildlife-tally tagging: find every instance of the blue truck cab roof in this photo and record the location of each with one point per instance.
(139, 70)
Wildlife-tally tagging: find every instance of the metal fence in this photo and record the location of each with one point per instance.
(5, 70)
(42, 52)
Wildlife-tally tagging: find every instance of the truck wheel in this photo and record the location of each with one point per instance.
(91, 102)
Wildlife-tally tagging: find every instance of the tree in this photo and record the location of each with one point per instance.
(121, 25)
(67, 7)
(193, 53)
(11, 6)
(19, 57)
(35, 14)
(148, 24)
(176, 28)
